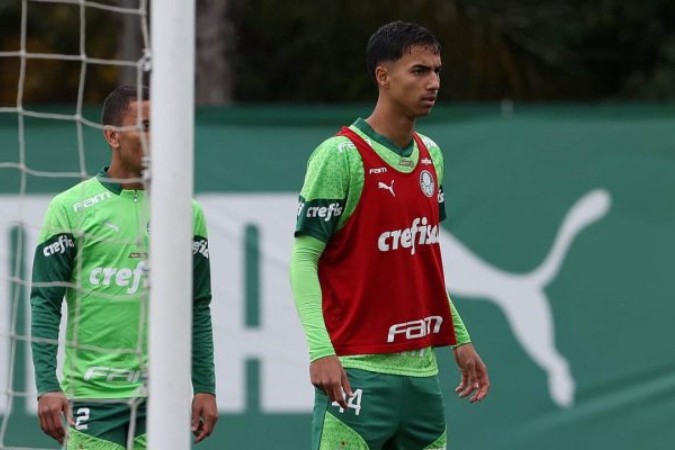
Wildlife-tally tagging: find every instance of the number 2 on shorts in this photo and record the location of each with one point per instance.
(82, 415)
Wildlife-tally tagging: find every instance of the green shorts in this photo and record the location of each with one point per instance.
(108, 424)
(386, 412)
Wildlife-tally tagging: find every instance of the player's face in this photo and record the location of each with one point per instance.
(131, 139)
(414, 81)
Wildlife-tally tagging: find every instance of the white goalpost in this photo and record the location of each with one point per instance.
(172, 156)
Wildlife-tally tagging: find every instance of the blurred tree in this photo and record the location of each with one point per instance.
(214, 33)
(621, 49)
(312, 50)
(54, 29)
(129, 42)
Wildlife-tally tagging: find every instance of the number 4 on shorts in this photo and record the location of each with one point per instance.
(353, 402)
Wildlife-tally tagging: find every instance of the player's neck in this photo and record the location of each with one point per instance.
(126, 177)
(392, 125)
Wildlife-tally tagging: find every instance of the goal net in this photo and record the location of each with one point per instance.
(75, 70)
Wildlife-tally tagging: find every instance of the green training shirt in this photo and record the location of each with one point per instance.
(330, 193)
(93, 251)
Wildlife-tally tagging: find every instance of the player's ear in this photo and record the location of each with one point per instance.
(111, 135)
(382, 76)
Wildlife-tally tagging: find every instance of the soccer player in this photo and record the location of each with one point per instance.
(366, 267)
(93, 250)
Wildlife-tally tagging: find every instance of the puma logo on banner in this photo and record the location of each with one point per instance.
(522, 297)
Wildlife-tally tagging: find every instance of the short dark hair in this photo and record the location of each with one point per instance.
(390, 41)
(116, 103)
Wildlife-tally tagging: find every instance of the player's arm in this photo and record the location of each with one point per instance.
(326, 372)
(325, 189)
(52, 270)
(204, 408)
(307, 293)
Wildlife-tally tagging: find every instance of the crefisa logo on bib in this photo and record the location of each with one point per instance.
(427, 183)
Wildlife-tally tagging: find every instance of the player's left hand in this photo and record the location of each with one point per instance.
(474, 373)
(204, 415)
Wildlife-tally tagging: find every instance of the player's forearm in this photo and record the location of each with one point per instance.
(50, 272)
(45, 320)
(307, 294)
(203, 371)
(461, 332)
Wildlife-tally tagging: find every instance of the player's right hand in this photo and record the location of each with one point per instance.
(328, 375)
(53, 407)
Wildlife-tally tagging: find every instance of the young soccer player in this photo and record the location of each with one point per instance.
(93, 250)
(366, 267)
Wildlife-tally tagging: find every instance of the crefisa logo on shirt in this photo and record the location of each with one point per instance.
(420, 232)
(324, 212)
(59, 246)
(427, 183)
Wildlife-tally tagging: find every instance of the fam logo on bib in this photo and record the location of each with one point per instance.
(427, 183)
